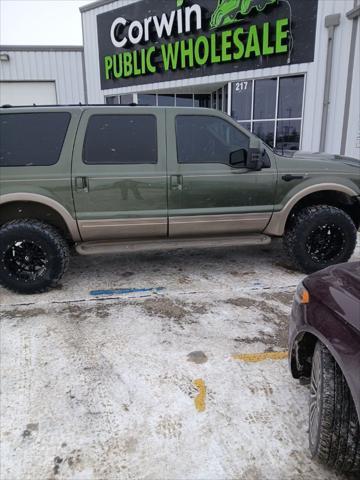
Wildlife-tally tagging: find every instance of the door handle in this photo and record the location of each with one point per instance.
(176, 182)
(289, 178)
(81, 184)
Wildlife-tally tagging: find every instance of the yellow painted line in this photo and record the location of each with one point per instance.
(260, 357)
(200, 398)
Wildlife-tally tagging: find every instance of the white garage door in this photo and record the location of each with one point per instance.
(27, 93)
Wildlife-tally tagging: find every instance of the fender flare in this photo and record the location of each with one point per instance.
(48, 202)
(319, 336)
(278, 221)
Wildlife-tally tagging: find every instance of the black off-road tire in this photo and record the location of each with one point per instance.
(324, 221)
(334, 432)
(47, 248)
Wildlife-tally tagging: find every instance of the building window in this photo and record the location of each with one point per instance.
(185, 100)
(226, 98)
(163, 100)
(220, 99)
(147, 99)
(272, 108)
(180, 100)
(166, 100)
(121, 140)
(113, 100)
(119, 100)
(202, 100)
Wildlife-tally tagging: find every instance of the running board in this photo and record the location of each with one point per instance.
(102, 248)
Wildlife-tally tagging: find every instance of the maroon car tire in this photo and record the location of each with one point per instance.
(334, 432)
(318, 237)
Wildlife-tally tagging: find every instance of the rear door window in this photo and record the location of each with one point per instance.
(32, 139)
(121, 140)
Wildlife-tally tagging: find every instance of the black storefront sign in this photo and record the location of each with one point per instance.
(163, 40)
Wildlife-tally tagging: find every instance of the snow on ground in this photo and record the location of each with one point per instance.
(145, 385)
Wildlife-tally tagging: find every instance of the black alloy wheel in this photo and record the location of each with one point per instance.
(33, 256)
(325, 243)
(25, 260)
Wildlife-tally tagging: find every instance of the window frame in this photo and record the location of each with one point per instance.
(206, 116)
(68, 114)
(276, 118)
(121, 115)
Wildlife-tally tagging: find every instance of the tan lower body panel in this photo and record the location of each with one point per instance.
(101, 248)
(199, 225)
(92, 230)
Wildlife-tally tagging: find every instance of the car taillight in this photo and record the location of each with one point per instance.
(302, 295)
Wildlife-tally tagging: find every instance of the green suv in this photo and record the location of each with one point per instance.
(121, 179)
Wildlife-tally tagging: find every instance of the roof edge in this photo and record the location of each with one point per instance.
(95, 4)
(42, 48)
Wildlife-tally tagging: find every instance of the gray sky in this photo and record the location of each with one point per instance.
(41, 22)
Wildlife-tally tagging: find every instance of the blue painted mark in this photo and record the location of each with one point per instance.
(125, 291)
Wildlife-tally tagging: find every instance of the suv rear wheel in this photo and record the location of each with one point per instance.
(33, 256)
(334, 433)
(320, 236)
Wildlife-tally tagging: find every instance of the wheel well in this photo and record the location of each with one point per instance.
(345, 202)
(301, 355)
(18, 210)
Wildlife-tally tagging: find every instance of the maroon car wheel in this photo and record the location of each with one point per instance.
(334, 433)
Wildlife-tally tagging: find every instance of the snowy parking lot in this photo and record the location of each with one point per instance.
(156, 366)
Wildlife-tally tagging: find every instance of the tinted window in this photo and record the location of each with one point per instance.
(32, 139)
(203, 139)
(121, 139)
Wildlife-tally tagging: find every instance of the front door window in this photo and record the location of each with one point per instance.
(207, 139)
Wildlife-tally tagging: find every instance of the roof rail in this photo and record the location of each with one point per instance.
(72, 105)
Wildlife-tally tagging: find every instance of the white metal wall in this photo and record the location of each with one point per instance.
(353, 137)
(315, 77)
(63, 66)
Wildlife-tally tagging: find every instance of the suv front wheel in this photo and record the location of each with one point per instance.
(33, 256)
(320, 236)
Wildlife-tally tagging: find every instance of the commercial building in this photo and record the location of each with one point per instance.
(288, 70)
(42, 75)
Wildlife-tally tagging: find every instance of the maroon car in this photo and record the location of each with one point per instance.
(324, 350)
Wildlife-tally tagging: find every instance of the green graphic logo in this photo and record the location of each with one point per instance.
(233, 11)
